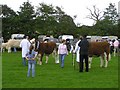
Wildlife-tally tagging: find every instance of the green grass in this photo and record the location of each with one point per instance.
(0, 70)
(14, 74)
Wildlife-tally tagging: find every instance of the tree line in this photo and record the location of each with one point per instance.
(52, 20)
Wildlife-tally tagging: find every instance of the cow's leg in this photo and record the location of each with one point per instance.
(39, 55)
(2, 49)
(106, 63)
(47, 56)
(106, 60)
(53, 53)
(90, 61)
(101, 60)
(109, 57)
(37, 59)
(115, 51)
(56, 56)
(40, 59)
(9, 49)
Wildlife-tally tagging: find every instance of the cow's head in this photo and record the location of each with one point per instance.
(37, 45)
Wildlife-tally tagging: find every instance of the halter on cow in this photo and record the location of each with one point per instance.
(44, 48)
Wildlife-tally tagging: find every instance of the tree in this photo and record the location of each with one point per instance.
(95, 15)
(7, 12)
(108, 25)
(45, 20)
(118, 28)
(48, 19)
(25, 19)
(111, 13)
(104, 27)
(8, 24)
(66, 25)
(0, 21)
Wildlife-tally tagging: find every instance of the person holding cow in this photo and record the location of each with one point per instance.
(30, 56)
(77, 49)
(111, 46)
(84, 46)
(62, 51)
(25, 44)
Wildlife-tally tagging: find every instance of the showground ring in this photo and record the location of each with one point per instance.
(14, 74)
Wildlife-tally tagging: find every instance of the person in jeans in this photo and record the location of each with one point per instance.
(62, 51)
(30, 56)
(25, 44)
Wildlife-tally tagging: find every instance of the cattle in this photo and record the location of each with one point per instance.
(44, 48)
(12, 43)
(99, 49)
(3, 46)
(32, 41)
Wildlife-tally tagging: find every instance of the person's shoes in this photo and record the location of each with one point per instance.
(80, 71)
(86, 70)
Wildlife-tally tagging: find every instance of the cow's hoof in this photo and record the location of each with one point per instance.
(101, 66)
(40, 63)
(89, 67)
(105, 66)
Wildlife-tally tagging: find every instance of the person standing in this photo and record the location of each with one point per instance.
(116, 46)
(111, 46)
(77, 49)
(84, 45)
(62, 51)
(30, 56)
(25, 45)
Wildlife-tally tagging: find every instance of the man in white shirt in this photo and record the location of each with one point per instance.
(25, 44)
(77, 49)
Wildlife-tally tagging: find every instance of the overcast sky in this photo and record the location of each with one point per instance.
(70, 7)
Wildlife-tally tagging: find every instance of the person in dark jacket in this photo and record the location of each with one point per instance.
(84, 45)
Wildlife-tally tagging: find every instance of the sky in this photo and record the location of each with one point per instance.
(70, 7)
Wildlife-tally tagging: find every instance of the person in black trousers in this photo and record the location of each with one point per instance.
(84, 45)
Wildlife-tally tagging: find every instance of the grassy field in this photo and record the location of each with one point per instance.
(14, 74)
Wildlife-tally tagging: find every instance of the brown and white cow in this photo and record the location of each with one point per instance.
(101, 49)
(44, 48)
